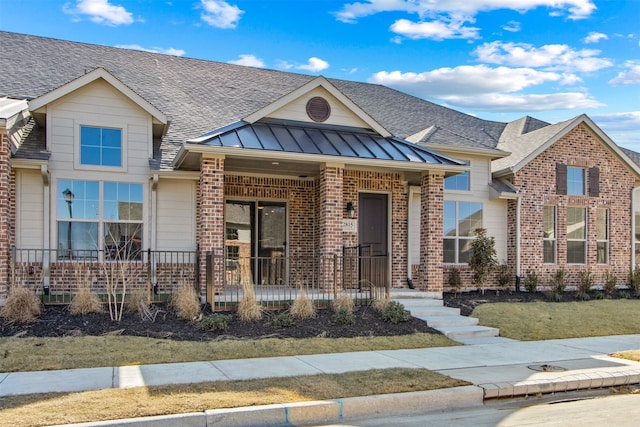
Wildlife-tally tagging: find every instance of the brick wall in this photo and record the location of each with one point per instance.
(581, 147)
(6, 199)
(430, 272)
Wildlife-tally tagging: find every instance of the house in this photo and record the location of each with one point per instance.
(226, 175)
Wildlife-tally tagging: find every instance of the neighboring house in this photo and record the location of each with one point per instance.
(271, 178)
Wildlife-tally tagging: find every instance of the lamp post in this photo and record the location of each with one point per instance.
(68, 197)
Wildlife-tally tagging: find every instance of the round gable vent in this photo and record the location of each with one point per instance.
(318, 109)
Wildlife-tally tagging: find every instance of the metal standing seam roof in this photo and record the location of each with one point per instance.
(313, 139)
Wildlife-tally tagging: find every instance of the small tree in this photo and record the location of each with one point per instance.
(483, 258)
(559, 284)
(585, 284)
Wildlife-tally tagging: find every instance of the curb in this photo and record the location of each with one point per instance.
(324, 411)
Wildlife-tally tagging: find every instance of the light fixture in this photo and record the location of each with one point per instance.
(351, 210)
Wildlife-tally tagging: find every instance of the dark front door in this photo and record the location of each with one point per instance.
(373, 228)
(373, 223)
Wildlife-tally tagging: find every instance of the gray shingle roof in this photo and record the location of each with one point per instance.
(199, 96)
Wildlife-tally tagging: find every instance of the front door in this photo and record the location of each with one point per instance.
(373, 240)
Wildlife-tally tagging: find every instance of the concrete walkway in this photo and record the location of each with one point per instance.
(500, 369)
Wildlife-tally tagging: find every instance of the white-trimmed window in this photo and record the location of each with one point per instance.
(95, 217)
(100, 146)
(576, 235)
(459, 182)
(576, 183)
(461, 219)
(549, 235)
(602, 238)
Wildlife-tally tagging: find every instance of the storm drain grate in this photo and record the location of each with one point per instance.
(546, 368)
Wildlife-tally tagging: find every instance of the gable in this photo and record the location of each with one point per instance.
(338, 114)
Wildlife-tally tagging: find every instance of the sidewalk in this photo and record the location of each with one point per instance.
(500, 369)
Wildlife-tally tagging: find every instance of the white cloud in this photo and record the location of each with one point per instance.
(248, 61)
(220, 14)
(100, 12)
(619, 121)
(485, 88)
(627, 77)
(284, 65)
(511, 26)
(552, 57)
(465, 80)
(575, 9)
(500, 102)
(595, 37)
(314, 65)
(436, 30)
(167, 51)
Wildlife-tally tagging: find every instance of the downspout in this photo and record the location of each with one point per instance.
(518, 271)
(633, 227)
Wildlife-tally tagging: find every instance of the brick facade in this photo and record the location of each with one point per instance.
(536, 181)
(430, 272)
(6, 199)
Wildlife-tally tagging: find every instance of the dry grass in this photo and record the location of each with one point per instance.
(85, 302)
(629, 355)
(22, 306)
(302, 307)
(34, 354)
(381, 303)
(342, 301)
(59, 408)
(248, 308)
(185, 302)
(542, 320)
(137, 299)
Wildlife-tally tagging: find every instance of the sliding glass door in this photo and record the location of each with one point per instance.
(255, 242)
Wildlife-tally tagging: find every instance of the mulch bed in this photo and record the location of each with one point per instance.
(56, 321)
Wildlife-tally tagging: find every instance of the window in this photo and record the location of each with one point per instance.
(637, 237)
(549, 234)
(96, 216)
(461, 219)
(575, 181)
(576, 235)
(602, 238)
(100, 146)
(460, 182)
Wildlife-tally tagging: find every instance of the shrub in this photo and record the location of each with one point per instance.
(85, 302)
(558, 285)
(634, 280)
(22, 306)
(214, 322)
(454, 280)
(610, 284)
(380, 304)
(302, 307)
(342, 301)
(504, 277)
(395, 313)
(282, 320)
(248, 309)
(531, 281)
(185, 302)
(344, 317)
(136, 300)
(483, 257)
(584, 284)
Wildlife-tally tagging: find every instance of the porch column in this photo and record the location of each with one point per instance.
(210, 217)
(431, 217)
(330, 223)
(5, 211)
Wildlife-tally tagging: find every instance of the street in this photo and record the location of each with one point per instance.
(582, 409)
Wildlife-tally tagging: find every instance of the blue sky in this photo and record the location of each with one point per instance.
(496, 59)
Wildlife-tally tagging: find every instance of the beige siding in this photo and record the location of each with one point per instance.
(494, 212)
(30, 205)
(340, 115)
(176, 218)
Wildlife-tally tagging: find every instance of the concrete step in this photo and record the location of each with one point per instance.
(458, 333)
(419, 302)
(433, 311)
(410, 293)
(449, 321)
(484, 340)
